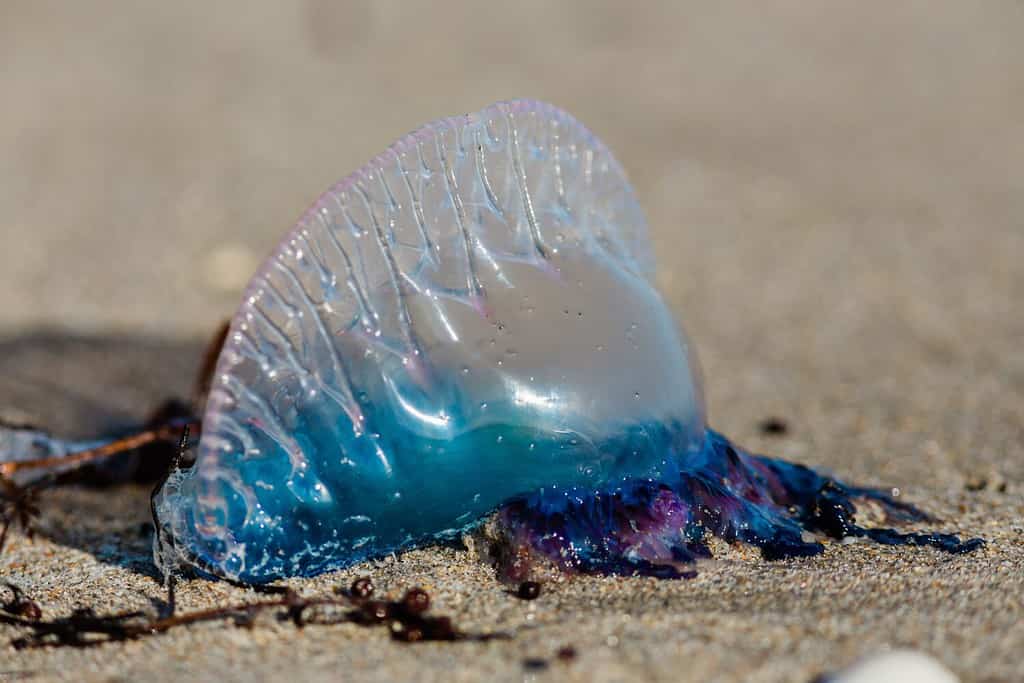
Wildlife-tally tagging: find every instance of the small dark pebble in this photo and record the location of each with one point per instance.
(992, 482)
(416, 601)
(245, 620)
(566, 653)
(535, 664)
(528, 590)
(774, 426)
(362, 588)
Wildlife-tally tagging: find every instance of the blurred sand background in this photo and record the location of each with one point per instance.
(836, 193)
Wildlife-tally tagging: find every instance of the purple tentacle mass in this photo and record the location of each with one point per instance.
(659, 528)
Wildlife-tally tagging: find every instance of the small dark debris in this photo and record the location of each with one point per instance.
(528, 590)
(566, 653)
(992, 481)
(535, 664)
(773, 426)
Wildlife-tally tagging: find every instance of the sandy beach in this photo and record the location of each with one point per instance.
(836, 197)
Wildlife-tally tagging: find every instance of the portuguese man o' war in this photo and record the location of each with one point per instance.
(469, 325)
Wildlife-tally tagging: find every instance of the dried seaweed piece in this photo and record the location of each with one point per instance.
(406, 619)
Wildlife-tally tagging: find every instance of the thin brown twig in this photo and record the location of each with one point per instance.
(19, 502)
(167, 423)
(170, 431)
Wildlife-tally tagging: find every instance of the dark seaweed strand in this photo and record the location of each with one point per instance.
(405, 619)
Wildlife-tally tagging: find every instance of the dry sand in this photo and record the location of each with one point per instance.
(837, 198)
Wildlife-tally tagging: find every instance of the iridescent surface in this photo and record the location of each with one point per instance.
(468, 318)
(468, 322)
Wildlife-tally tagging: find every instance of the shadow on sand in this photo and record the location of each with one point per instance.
(83, 386)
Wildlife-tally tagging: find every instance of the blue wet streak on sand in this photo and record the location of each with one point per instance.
(469, 324)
